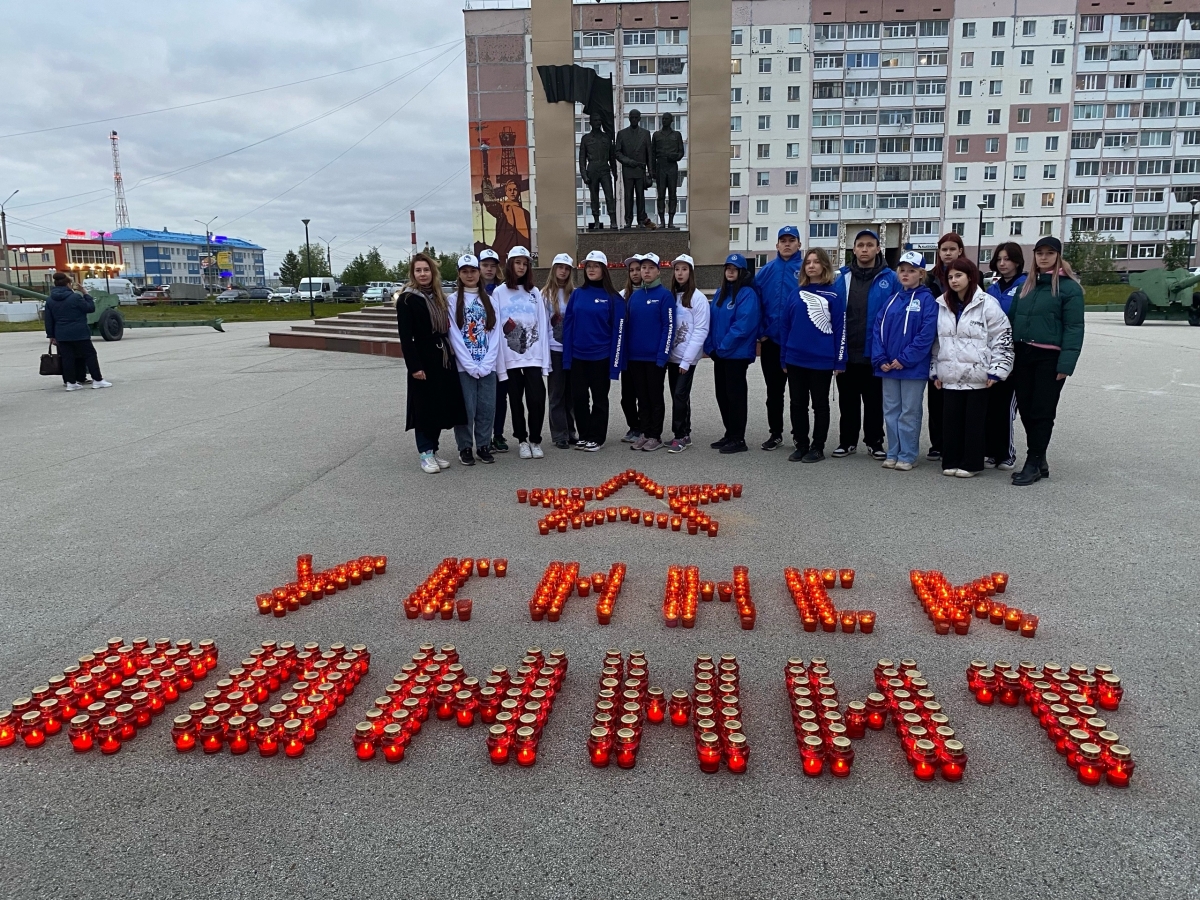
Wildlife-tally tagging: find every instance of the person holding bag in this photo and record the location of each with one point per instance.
(556, 295)
(732, 345)
(691, 330)
(476, 338)
(972, 353)
(525, 351)
(66, 313)
(650, 329)
(592, 336)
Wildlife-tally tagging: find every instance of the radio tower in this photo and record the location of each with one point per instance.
(118, 184)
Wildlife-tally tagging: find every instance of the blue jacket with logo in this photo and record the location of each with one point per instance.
(905, 331)
(650, 325)
(734, 325)
(594, 328)
(814, 327)
(884, 285)
(1005, 298)
(776, 286)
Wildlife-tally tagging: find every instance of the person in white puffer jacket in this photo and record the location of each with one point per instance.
(691, 329)
(973, 351)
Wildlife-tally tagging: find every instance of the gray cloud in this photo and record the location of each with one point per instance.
(68, 62)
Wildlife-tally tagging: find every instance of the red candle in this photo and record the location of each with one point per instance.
(267, 737)
(525, 743)
(737, 753)
(656, 706)
(500, 566)
(924, 758)
(627, 747)
(680, 708)
(1090, 770)
(599, 746)
(108, 735)
(846, 578)
(1000, 580)
(364, 741)
(483, 566)
(183, 733)
(498, 744)
(812, 755)
(737, 490)
(463, 607)
(80, 732)
(841, 756)
(293, 738)
(708, 751)
(955, 760)
(1120, 765)
(522, 495)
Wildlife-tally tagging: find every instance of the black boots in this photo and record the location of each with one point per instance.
(1031, 473)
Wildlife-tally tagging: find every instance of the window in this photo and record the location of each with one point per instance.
(930, 116)
(964, 117)
(1014, 228)
(795, 64)
(1182, 166)
(1050, 171)
(958, 201)
(795, 35)
(968, 29)
(1148, 195)
(858, 173)
(1119, 195)
(827, 90)
(763, 179)
(1117, 167)
(1055, 86)
(1060, 27)
(1179, 223)
(1154, 80)
(764, 64)
(1190, 138)
(826, 174)
(1017, 201)
(642, 66)
(1029, 28)
(1120, 138)
(639, 37)
(1170, 21)
(823, 202)
(764, 36)
(958, 228)
(964, 88)
(1146, 251)
(1095, 53)
(931, 200)
(899, 29)
(762, 234)
(826, 147)
(933, 28)
(735, 235)
(1058, 57)
(764, 151)
(1189, 107)
(599, 39)
(891, 201)
(896, 88)
(1091, 24)
(862, 88)
(989, 173)
(793, 122)
(823, 229)
(764, 94)
(735, 67)
(1048, 199)
(1079, 195)
(862, 60)
(791, 205)
(895, 117)
(1160, 110)
(1052, 143)
(1131, 23)
(1054, 114)
(998, 29)
(1019, 173)
(1087, 169)
(735, 123)
(791, 177)
(895, 145)
(930, 88)
(1192, 81)
(1083, 223)
(927, 172)
(997, 57)
(989, 230)
(1025, 86)
(672, 36)
(1023, 113)
(1021, 145)
(637, 95)
(894, 173)
(1027, 57)
(1155, 139)
(931, 58)
(863, 31)
(1126, 52)
(829, 32)
(735, 179)
(735, 95)
(793, 151)
(859, 145)
(1046, 226)
(1147, 223)
(923, 227)
(826, 119)
(827, 61)
(993, 117)
(897, 60)
(857, 201)
(762, 207)
(1090, 82)
(991, 145)
(962, 145)
(1088, 111)
(735, 37)
(960, 173)
(966, 60)
(735, 151)
(927, 145)
(1128, 82)
(735, 207)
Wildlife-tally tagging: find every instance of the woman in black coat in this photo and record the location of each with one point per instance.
(435, 399)
(66, 315)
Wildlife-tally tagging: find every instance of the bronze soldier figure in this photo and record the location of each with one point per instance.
(667, 147)
(598, 169)
(637, 166)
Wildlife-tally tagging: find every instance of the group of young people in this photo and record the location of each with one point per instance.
(985, 354)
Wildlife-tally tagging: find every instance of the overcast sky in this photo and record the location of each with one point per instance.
(72, 62)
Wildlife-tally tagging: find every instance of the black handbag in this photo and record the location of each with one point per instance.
(51, 363)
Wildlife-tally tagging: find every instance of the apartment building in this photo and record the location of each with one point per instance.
(172, 257)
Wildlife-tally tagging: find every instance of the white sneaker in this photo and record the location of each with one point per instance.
(442, 464)
(537, 451)
(591, 446)
(889, 464)
(429, 464)
(904, 467)
(524, 451)
(72, 386)
(96, 385)
(963, 473)
(950, 473)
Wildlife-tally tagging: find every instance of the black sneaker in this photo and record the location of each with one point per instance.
(933, 453)
(877, 452)
(631, 436)
(845, 450)
(735, 447)
(816, 454)
(797, 455)
(717, 445)
(485, 455)
(499, 444)
(772, 442)
(591, 447)
(1031, 474)
(561, 445)
(580, 445)
(465, 457)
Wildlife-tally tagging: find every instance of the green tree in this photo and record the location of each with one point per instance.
(365, 269)
(1178, 254)
(319, 264)
(1091, 256)
(289, 269)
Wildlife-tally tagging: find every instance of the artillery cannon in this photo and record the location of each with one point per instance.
(1162, 294)
(107, 321)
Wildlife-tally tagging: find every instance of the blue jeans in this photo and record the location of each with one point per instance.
(902, 400)
(479, 396)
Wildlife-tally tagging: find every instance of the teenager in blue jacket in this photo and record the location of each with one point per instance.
(649, 336)
(592, 337)
(901, 342)
(814, 347)
(776, 286)
(999, 442)
(733, 329)
(868, 282)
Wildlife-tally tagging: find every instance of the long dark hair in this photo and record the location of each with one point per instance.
(606, 281)
(1013, 251)
(687, 288)
(939, 270)
(745, 279)
(511, 281)
(460, 306)
(962, 264)
(629, 285)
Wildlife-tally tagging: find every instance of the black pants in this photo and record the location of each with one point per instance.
(937, 400)
(1035, 381)
(501, 408)
(776, 380)
(666, 182)
(965, 419)
(604, 181)
(562, 420)
(527, 384)
(860, 401)
(78, 357)
(635, 197)
(590, 382)
(730, 378)
(998, 433)
(648, 380)
(681, 399)
(805, 383)
(629, 402)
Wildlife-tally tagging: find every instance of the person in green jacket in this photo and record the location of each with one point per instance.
(1047, 330)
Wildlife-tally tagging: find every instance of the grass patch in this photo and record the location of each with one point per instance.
(229, 312)
(1106, 293)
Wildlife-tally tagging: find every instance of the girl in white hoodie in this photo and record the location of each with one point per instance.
(475, 337)
(973, 351)
(525, 349)
(691, 328)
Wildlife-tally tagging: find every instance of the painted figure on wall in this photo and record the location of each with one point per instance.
(502, 216)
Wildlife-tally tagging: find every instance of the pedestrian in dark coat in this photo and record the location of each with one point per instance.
(66, 321)
(435, 400)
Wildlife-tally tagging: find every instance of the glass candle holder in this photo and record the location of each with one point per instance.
(954, 760)
(812, 755)
(108, 735)
(840, 755)
(1119, 765)
(737, 752)
(364, 741)
(680, 708)
(79, 730)
(600, 744)
(1090, 769)
(498, 744)
(656, 706)
(846, 578)
(849, 622)
(924, 759)
(626, 747)
(708, 752)
(183, 733)
(525, 745)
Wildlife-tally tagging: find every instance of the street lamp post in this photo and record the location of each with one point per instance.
(308, 264)
(1192, 230)
(979, 253)
(328, 252)
(207, 248)
(4, 234)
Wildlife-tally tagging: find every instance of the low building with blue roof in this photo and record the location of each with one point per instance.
(174, 257)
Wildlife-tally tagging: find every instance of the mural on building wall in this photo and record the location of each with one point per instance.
(501, 204)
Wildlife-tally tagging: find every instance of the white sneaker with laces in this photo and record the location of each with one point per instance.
(429, 464)
(96, 385)
(442, 464)
(72, 386)
(963, 473)
(889, 464)
(524, 451)
(904, 467)
(537, 451)
(950, 473)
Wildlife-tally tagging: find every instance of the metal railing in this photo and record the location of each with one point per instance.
(496, 4)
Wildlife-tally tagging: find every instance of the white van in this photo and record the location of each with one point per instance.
(121, 287)
(321, 288)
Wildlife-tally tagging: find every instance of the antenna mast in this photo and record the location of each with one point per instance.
(118, 184)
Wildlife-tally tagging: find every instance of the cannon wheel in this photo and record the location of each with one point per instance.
(112, 325)
(1136, 308)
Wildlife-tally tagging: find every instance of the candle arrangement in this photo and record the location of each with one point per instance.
(823, 731)
(569, 505)
(951, 607)
(684, 588)
(607, 591)
(109, 695)
(234, 715)
(716, 709)
(624, 702)
(310, 585)
(921, 725)
(528, 697)
(1064, 702)
(437, 595)
(558, 582)
(810, 593)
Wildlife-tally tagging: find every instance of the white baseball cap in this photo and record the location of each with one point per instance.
(651, 257)
(684, 258)
(563, 259)
(595, 256)
(468, 260)
(518, 252)
(913, 258)
(489, 254)
(636, 258)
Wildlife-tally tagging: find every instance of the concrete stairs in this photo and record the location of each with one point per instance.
(370, 330)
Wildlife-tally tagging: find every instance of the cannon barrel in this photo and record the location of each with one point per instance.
(1184, 283)
(24, 292)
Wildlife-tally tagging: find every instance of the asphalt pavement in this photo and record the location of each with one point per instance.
(161, 506)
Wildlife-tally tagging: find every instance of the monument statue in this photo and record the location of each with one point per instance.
(637, 167)
(667, 149)
(598, 169)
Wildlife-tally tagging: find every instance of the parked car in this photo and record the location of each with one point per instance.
(260, 293)
(233, 295)
(346, 292)
(377, 293)
(319, 288)
(283, 295)
(153, 295)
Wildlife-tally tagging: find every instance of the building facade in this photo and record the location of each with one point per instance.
(998, 121)
(33, 265)
(171, 257)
